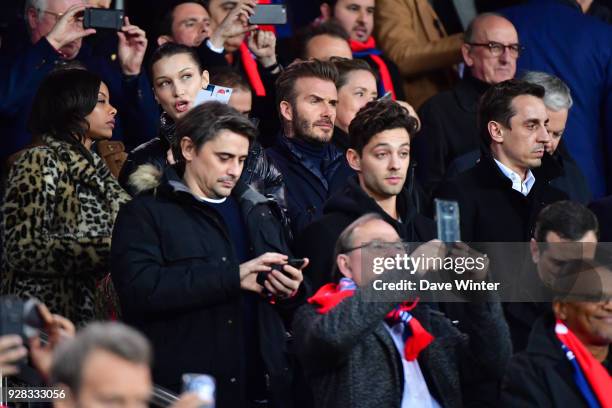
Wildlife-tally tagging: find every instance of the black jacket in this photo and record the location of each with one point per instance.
(490, 210)
(307, 186)
(258, 172)
(542, 376)
(571, 180)
(318, 240)
(177, 276)
(449, 129)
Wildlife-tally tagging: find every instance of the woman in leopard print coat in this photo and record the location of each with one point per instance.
(61, 200)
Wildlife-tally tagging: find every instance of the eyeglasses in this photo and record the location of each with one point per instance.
(376, 245)
(496, 49)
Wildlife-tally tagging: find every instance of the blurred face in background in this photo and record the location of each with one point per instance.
(190, 25)
(556, 127)
(356, 17)
(176, 82)
(323, 47)
(359, 89)
(41, 22)
(218, 10)
(488, 57)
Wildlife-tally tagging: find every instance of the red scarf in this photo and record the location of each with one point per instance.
(368, 47)
(330, 295)
(595, 373)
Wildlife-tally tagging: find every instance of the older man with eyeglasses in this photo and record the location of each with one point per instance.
(358, 350)
(490, 51)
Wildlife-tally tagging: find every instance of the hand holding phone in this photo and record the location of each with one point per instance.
(269, 14)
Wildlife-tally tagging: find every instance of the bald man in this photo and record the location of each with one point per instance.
(490, 51)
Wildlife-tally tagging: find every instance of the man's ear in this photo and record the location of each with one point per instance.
(344, 265)
(32, 15)
(496, 131)
(535, 251)
(163, 39)
(326, 11)
(205, 79)
(188, 148)
(353, 159)
(560, 309)
(465, 52)
(286, 110)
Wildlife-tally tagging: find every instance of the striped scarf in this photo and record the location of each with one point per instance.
(416, 338)
(591, 377)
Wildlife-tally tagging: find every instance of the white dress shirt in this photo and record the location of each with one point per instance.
(523, 187)
(415, 393)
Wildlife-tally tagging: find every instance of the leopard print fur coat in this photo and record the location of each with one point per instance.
(57, 218)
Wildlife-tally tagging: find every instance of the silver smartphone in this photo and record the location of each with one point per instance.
(269, 14)
(447, 220)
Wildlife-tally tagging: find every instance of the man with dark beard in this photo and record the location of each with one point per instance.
(311, 166)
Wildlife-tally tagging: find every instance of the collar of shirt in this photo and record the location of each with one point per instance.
(523, 187)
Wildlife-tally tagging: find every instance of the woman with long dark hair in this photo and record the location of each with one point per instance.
(61, 200)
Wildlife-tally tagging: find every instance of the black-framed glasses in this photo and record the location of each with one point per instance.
(496, 49)
(376, 245)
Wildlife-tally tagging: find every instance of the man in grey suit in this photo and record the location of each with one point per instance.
(362, 353)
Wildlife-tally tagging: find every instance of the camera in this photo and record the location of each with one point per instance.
(18, 316)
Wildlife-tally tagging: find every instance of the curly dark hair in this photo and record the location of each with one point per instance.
(378, 116)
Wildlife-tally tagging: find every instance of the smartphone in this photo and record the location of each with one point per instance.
(269, 14)
(213, 93)
(103, 18)
(447, 220)
(296, 262)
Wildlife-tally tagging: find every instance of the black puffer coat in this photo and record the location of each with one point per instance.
(259, 172)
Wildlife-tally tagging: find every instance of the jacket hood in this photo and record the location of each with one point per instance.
(148, 177)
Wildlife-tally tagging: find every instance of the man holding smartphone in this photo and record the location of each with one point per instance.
(186, 254)
(55, 36)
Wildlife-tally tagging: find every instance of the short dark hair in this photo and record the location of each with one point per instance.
(496, 104)
(329, 28)
(165, 24)
(285, 84)
(115, 338)
(345, 66)
(171, 49)
(568, 219)
(63, 100)
(204, 122)
(228, 77)
(378, 116)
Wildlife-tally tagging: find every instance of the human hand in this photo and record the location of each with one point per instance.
(58, 329)
(69, 28)
(11, 351)
(236, 23)
(250, 269)
(263, 45)
(131, 48)
(284, 285)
